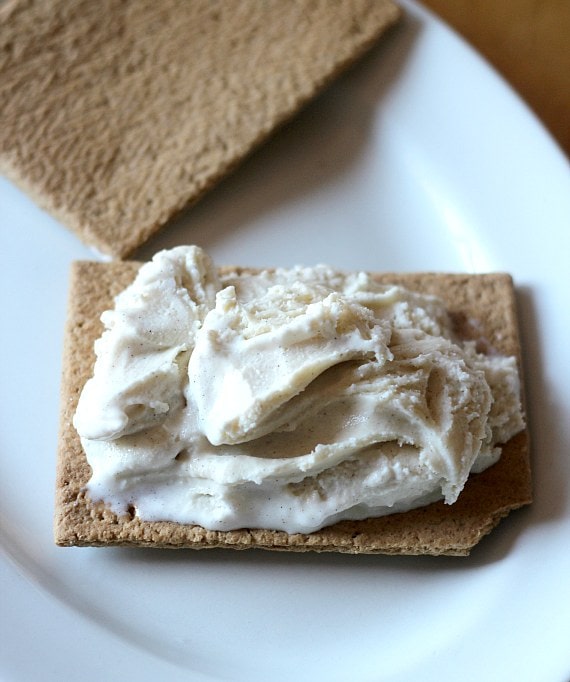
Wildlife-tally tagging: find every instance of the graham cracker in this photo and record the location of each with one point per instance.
(118, 115)
(436, 529)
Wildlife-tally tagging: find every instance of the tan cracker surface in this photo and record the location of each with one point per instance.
(117, 115)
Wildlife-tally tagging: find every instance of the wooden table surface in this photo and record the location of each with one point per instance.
(528, 42)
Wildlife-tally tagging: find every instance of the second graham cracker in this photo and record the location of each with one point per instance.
(118, 115)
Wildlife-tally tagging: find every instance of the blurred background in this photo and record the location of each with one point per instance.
(528, 42)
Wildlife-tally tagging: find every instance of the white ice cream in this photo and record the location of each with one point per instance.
(285, 400)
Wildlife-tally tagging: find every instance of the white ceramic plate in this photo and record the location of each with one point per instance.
(419, 159)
